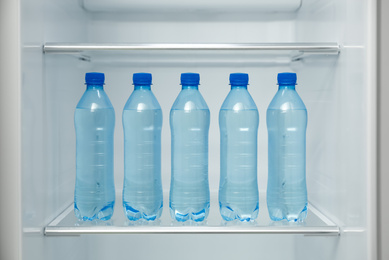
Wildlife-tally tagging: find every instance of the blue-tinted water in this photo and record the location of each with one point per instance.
(286, 188)
(142, 190)
(189, 190)
(238, 191)
(94, 195)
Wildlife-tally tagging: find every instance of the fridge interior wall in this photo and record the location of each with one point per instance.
(334, 88)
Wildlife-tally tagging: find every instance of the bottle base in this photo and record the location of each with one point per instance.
(279, 214)
(185, 215)
(134, 215)
(104, 214)
(229, 213)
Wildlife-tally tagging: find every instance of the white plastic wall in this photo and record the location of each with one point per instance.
(10, 201)
(383, 141)
(47, 178)
(342, 162)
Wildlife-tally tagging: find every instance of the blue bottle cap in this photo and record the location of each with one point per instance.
(94, 78)
(287, 78)
(191, 79)
(141, 78)
(239, 79)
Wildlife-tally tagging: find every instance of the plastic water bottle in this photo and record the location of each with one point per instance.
(287, 123)
(94, 120)
(189, 124)
(238, 121)
(142, 124)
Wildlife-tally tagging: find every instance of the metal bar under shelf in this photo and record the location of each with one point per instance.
(74, 231)
(324, 48)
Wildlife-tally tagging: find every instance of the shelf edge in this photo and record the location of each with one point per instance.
(324, 48)
(70, 231)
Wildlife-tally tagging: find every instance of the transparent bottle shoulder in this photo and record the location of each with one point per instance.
(239, 99)
(190, 99)
(141, 99)
(287, 100)
(94, 99)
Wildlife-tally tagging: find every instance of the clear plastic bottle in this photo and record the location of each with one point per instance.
(94, 120)
(238, 122)
(189, 124)
(142, 124)
(287, 123)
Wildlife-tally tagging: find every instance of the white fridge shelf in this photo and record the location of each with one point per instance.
(66, 224)
(189, 52)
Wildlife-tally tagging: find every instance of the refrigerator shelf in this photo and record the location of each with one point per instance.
(220, 52)
(66, 224)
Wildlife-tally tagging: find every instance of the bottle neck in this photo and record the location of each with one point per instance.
(286, 86)
(93, 86)
(190, 87)
(238, 86)
(144, 87)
